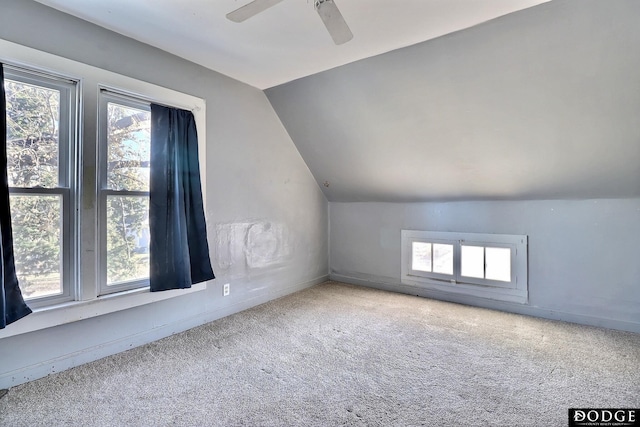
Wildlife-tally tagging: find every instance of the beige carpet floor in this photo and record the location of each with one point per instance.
(342, 355)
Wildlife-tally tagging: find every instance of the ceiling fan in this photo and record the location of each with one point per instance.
(327, 9)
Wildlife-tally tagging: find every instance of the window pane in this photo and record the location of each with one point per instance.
(421, 256)
(442, 258)
(128, 143)
(37, 244)
(127, 238)
(472, 261)
(33, 118)
(499, 264)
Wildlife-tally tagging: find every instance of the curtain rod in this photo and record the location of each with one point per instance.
(12, 66)
(132, 96)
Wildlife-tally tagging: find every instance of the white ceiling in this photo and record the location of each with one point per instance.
(287, 41)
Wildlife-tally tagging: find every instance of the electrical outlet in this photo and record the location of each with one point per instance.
(226, 290)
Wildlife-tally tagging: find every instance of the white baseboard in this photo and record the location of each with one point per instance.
(67, 361)
(387, 284)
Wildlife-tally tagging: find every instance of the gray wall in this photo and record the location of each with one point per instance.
(538, 104)
(267, 218)
(542, 104)
(583, 254)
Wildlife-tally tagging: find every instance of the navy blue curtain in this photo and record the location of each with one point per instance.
(178, 249)
(12, 305)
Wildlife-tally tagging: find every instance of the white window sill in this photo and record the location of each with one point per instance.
(60, 314)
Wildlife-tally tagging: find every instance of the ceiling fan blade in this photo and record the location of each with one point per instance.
(333, 20)
(251, 9)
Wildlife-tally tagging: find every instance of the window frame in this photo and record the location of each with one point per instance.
(68, 141)
(105, 97)
(431, 274)
(483, 243)
(516, 290)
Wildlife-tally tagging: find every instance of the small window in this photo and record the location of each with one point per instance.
(125, 136)
(497, 264)
(432, 257)
(442, 258)
(421, 256)
(472, 261)
(487, 265)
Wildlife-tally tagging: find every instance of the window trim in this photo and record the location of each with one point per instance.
(514, 291)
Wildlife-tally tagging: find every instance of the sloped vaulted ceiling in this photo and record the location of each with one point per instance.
(286, 41)
(542, 103)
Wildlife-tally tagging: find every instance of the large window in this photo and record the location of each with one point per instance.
(78, 153)
(41, 137)
(124, 129)
(486, 265)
